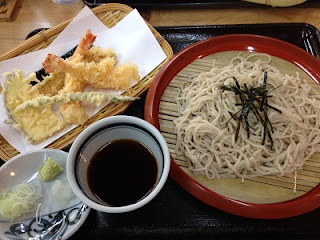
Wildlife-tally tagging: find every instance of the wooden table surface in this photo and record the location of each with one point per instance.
(44, 13)
(174, 213)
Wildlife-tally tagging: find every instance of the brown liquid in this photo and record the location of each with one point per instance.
(122, 172)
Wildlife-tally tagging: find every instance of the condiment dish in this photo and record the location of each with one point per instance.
(54, 219)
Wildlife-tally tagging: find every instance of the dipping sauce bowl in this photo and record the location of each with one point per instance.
(118, 164)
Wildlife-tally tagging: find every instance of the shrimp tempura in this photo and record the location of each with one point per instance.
(84, 45)
(100, 75)
(73, 112)
(93, 66)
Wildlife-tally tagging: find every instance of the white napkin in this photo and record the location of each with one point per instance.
(131, 39)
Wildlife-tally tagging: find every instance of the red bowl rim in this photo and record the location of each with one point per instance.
(236, 42)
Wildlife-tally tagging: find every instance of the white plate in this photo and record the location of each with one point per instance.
(58, 220)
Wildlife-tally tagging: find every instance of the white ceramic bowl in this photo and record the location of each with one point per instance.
(98, 135)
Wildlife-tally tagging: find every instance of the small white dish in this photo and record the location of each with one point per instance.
(58, 220)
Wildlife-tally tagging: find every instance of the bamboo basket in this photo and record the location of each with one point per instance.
(110, 15)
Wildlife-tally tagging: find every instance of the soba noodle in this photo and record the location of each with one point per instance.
(206, 130)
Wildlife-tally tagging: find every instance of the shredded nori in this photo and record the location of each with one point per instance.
(254, 100)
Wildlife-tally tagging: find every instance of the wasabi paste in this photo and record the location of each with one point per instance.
(49, 170)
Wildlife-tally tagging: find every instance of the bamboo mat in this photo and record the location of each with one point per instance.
(260, 190)
(110, 15)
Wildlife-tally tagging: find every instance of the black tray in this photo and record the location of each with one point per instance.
(302, 35)
(174, 213)
(191, 3)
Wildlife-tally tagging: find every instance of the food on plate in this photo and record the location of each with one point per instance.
(23, 198)
(98, 68)
(104, 74)
(253, 100)
(72, 112)
(37, 124)
(61, 191)
(51, 84)
(247, 119)
(96, 98)
(278, 3)
(97, 54)
(91, 65)
(84, 44)
(49, 170)
(29, 101)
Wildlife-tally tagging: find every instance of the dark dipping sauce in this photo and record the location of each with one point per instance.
(122, 172)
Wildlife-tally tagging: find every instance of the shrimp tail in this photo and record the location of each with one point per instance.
(53, 63)
(84, 44)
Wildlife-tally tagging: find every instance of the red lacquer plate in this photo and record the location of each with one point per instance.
(239, 42)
